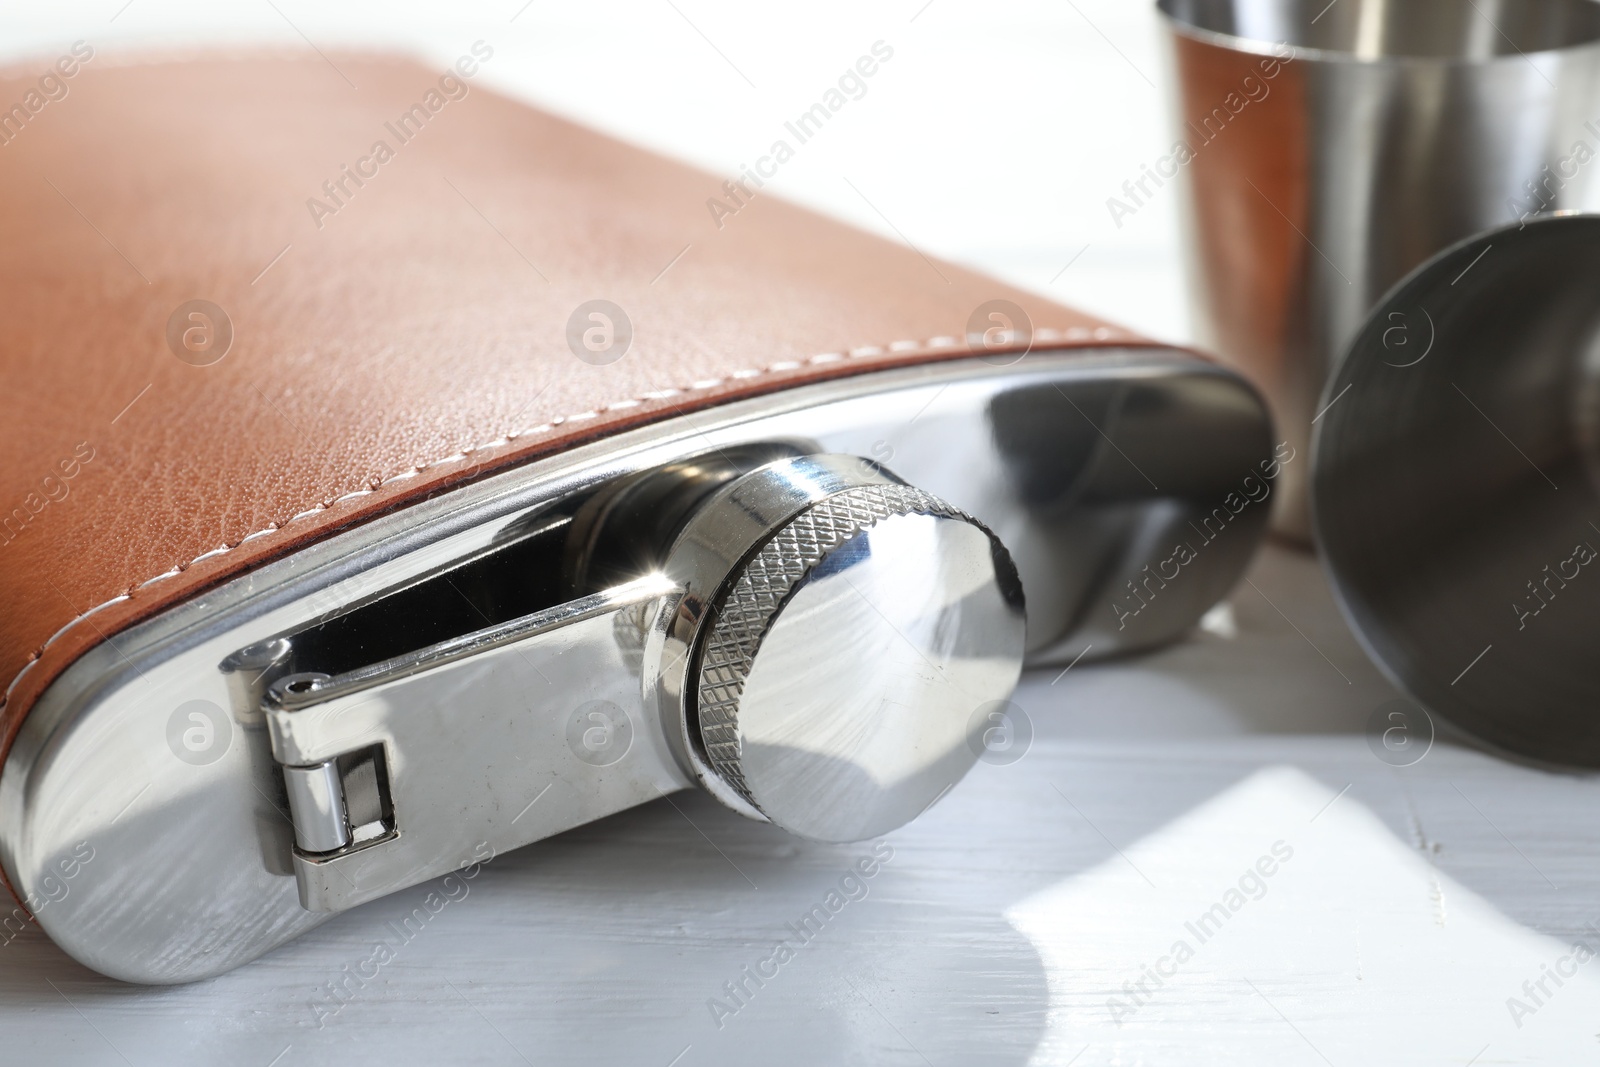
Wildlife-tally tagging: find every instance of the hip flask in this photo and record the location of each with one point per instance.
(444, 475)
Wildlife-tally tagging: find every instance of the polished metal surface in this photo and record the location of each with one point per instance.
(1457, 487)
(836, 676)
(469, 731)
(1325, 150)
(857, 709)
(316, 807)
(733, 521)
(478, 752)
(1084, 463)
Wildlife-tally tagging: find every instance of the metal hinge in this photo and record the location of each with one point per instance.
(340, 803)
(398, 771)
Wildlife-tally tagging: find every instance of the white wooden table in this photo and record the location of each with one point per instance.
(1099, 901)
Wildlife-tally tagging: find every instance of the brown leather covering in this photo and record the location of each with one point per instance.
(414, 340)
(1251, 253)
(1252, 191)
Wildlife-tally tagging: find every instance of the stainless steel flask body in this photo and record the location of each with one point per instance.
(739, 600)
(1328, 149)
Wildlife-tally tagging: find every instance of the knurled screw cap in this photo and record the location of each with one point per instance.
(838, 677)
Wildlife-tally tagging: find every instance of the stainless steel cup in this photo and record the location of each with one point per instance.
(1456, 486)
(1327, 147)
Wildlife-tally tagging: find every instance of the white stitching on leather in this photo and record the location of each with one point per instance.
(1076, 333)
(274, 528)
(173, 573)
(70, 622)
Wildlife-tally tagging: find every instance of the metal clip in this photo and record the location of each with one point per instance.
(397, 770)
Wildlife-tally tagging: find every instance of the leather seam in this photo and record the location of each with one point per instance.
(935, 344)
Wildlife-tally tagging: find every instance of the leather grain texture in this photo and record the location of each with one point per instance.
(409, 335)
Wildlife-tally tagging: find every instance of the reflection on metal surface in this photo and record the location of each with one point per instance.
(873, 646)
(468, 745)
(834, 671)
(1457, 498)
(1331, 148)
(453, 658)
